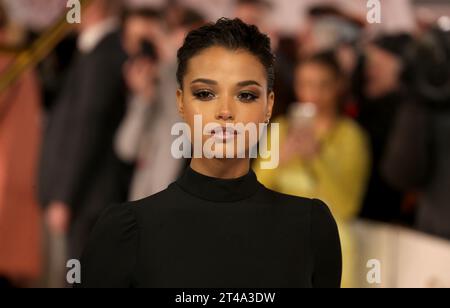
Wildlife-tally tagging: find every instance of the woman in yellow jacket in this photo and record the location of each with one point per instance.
(322, 154)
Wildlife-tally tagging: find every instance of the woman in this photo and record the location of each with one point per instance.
(217, 226)
(323, 153)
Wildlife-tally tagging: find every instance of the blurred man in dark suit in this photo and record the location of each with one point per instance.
(80, 173)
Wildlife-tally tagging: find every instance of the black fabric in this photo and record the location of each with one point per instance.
(398, 45)
(204, 232)
(382, 201)
(5, 283)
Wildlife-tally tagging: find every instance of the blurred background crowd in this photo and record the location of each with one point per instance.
(86, 112)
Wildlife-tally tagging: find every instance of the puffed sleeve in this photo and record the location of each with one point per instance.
(109, 257)
(326, 248)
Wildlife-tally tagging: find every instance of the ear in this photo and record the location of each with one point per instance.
(270, 104)
(180, 103)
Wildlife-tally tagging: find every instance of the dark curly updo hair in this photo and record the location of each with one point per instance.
(232, 34)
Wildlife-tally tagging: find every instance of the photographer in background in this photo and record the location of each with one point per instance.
(144, 137)
(418, 155)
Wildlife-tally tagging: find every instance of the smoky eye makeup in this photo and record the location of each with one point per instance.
(247, 96)
(203, 94)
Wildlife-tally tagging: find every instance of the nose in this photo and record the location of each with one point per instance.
(225, 113)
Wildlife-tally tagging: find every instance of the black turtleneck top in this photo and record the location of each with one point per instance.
(204, 232)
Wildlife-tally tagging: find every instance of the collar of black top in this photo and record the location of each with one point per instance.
(218, 190)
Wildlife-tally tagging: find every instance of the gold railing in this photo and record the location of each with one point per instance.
(32, 55)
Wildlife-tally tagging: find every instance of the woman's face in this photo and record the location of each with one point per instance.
(315, 83)
(225, 87)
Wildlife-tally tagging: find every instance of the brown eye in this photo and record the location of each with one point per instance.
(247, 97)
(204, 95)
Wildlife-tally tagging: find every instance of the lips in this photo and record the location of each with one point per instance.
(224, 133)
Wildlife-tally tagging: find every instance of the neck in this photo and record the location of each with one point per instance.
(328, 115)
(221, 168)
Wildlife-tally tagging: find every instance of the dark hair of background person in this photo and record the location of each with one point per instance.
(328, 60)
(148, 48)
(397, 44)
(232, 34)
(192, 19)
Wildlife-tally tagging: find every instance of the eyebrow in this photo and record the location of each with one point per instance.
(240, 84)
(203, 80)
(249, 83)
